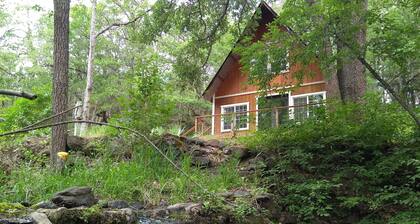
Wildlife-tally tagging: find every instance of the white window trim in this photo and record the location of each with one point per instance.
(234, 105)
(291, 102)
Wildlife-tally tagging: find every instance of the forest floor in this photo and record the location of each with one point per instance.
(219, 180)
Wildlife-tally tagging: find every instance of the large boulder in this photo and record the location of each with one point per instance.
(84, 215)
(203, 153)
(40, 218)
(76, 143)
(75, 197)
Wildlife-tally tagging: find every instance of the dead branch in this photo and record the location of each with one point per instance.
(120, 24)
(29, 96)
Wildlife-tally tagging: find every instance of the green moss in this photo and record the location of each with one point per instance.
(11, 209)
(91, 212)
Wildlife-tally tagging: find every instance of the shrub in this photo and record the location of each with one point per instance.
(24, 112)
(360, 160)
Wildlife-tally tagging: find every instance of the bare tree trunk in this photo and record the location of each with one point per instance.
(89, 75)
(60, 77)
(350, 72)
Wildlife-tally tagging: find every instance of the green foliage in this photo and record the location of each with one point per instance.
(11, 209)
(24, 112)
(147, 177)
(147, 107)
(357, 159)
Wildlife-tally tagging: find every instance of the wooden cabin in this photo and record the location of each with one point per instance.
(236, 104)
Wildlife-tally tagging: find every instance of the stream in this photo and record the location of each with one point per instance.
(144, 220)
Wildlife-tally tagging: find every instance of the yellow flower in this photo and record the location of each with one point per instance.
(63, 155)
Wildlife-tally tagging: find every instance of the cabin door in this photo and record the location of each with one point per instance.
(270, 111)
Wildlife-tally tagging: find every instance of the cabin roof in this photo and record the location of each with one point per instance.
(267, 16)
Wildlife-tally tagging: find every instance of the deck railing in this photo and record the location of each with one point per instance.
(252, 119)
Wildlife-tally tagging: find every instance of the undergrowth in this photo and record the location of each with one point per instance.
(348, 164)
(147, 177)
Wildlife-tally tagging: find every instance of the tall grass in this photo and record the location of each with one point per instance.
(147, 177)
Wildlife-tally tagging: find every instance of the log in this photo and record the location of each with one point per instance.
(29, 96)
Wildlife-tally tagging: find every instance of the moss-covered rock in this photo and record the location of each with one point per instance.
(12, 209)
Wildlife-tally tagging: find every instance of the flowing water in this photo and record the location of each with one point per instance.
(144, 220)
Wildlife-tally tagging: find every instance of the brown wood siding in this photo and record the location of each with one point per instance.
(308, 89)
(249, 98)
(231, 81)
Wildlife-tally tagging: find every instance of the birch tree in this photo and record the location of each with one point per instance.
(89, 75)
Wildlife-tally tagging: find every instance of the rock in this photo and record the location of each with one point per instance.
(118, 204)
(76, 143)
(122, 216)
(241, 153)
(235, 194)
(196, 150)
(194, 208)
(38, 145)
(84, 215)
(195, 141)
(157, 213)
(45, 204)
(183, 207)
(186, 209)
(267, 202)
(215, 143)
(136, 206)
(40, 218)
(12, 210)
(201, 161)
(75, 197)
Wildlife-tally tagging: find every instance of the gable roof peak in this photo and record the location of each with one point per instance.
(267, 16)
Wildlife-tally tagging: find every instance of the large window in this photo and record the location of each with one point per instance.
(235, 117)
(300, 111)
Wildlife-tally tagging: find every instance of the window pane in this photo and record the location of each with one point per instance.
(228, 110)
(241, 120)
(300, 112)
(314, 99)
(227, 119)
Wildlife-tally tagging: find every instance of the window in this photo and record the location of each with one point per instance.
(300, 112)
(236, 117)
(278, 63)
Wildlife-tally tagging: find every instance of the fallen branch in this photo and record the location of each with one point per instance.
(29, 96)
(113, 126)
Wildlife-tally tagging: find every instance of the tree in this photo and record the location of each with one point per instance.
(333, 35)
(350, 71)
(60, 77)
(89, 75)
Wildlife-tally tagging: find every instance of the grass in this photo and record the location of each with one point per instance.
(147, 177)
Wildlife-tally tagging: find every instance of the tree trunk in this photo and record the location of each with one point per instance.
(350, 72)
(89, 75)
(60, 77)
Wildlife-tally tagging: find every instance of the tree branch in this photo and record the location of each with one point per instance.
(389, 88)
(119, 24)
(29, 96)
